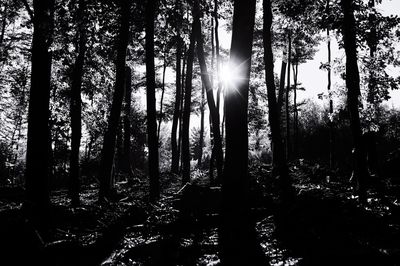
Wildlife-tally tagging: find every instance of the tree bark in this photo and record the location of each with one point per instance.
(177, 109)
(186, 110)
(37, 155)
(201, 139)
(330, 122)
(282, 83)
(353, 92)
(181, 112)
(151, 103)
(162, 99)
(295, 121)
(288, 150)
(278, 154)
(237, 236)
(76, 107)
(108, 151)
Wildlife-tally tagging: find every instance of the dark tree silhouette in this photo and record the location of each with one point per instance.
(108, 151)
(353, 91)
(37, 155)
(287, 102)
(236, 231)
(177, 109)
(214, 112)
(151, 102)
(187, 106)
(76, 105)
(279, 162)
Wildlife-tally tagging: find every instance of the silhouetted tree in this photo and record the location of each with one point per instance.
(151, 102)
(76, 105)
(279, 162)
(37, 155)
(237, 236)
(353, 91)
(108, 151)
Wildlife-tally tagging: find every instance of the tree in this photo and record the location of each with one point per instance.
(37, 155)
(205, 77)
(236, 232)
(76, 105)
(353, 91)
(187, 106)
(108, 151)
(279, 163)
(151, 102)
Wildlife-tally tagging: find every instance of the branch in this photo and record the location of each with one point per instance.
(28, 8)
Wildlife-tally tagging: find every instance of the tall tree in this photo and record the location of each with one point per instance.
(177, 109)
(288, 147)
(279, 162)
(353, 91)
(201, 139)
(151, 102)
(108, 151)
(236, 232)
(76, 105)
(37, 155)
(331, 147)
(205, 77)
(187, 107)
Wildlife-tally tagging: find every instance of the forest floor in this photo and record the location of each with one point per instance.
(324, 226)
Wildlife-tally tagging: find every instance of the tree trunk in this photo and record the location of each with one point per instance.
(295, 121)
(181, 111)
(108, 151)
(186, 110)
(214, 112)
(353, 91)
(288, 151)
(76, 107)
(330, 122)
(37, 155)
(177, 109)
(237, 236)
(127, 122)
(161, 100)
(151, 103)
(201, 140)
(282, 83)
(278, 154)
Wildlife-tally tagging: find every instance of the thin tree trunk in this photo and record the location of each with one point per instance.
(330, 122)
(353, 91)
(162, 99)
(217, 148)
(278, 154)
(295, 121)
(127, 122)
(177, 110)
(76, 107)
(282, 82)
(237, 233)
(181, 112)
(37, 156)
(151, 103)
(201, 140)
(108, 151)
(186, 110)
(287, 98)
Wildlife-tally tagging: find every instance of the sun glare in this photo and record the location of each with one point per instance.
(228, 75)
